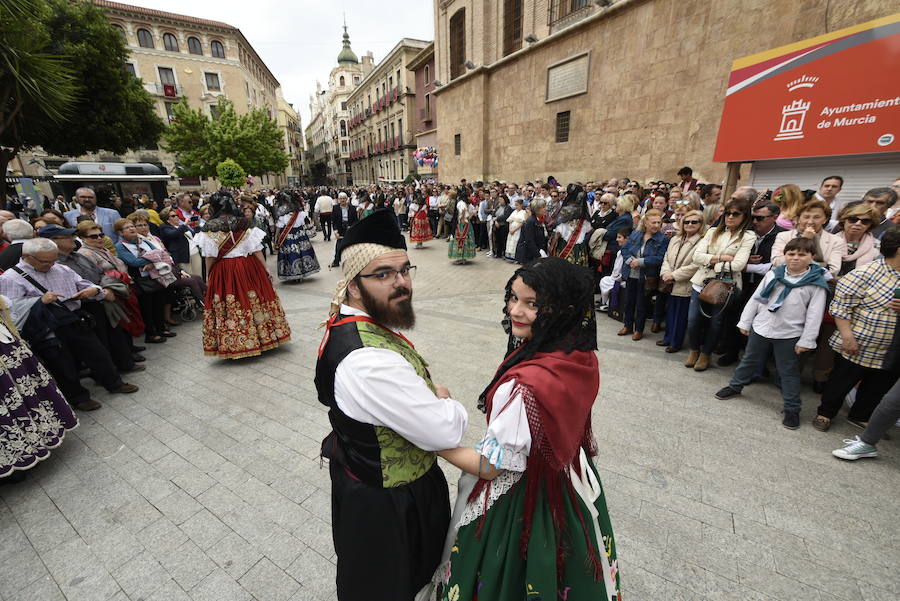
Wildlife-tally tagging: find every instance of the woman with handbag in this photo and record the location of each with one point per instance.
(642, 257)
(675, 278)
(722, 253)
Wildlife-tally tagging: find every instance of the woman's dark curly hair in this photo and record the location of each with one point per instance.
(565, 319)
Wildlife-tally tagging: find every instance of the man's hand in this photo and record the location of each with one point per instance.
(894, 304)
(86, 293)
(849, 345)
(801, 349)
(634, 263)
(744, 332)
(49, 297)
(755, 259)
(442, 392)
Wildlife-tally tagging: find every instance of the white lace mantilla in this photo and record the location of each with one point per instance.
(499, 487)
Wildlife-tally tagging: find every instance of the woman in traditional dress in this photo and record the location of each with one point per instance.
(296, 257)
(242, 315)
(516, 220)
(421, 228)
(462, 243)
(530, 520)
(34, 415)
(573, 228)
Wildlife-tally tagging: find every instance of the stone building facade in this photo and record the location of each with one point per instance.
(580, 90)
(332, 166)
(382, 112)
(289, 122)
(425, 108)
(179, 56)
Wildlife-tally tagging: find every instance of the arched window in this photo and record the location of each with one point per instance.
(427, 75)
(342, 81)
(145, 39)
(217, 49)
(121, 31)
(194, 46)
(343, 127)
(170, 42)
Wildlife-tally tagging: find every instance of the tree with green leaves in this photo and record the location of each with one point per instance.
(200, 143)
(230, 174)
(72, 94)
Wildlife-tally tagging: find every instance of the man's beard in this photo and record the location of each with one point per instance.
(399, 316)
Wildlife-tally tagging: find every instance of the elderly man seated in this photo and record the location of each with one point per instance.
(46, 299)
(113, 337)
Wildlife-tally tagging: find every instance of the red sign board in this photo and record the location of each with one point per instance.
(835, 94)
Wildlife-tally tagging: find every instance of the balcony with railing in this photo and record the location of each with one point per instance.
(166, 90)
(563, 13)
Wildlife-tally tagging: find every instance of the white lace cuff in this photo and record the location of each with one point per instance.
(501, 458)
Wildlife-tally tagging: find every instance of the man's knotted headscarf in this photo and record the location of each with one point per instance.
(369, 238)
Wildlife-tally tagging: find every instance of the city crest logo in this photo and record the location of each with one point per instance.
(793, 115)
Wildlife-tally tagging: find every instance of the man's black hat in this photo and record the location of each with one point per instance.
(378, 228)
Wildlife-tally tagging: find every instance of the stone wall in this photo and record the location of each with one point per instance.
(657, 80)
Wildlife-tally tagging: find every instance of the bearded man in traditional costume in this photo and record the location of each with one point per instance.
(389, 499)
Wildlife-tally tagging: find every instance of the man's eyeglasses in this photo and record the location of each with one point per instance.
(682, 202)
(389, 275)
(733, 214)
(93, 236)
(690, 222)
(862, 220)
(761, 217)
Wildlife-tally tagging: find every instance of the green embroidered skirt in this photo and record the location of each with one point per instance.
(466, 250)
(489, 566)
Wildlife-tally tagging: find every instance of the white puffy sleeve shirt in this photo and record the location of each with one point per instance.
(507, 442)
(379, 387)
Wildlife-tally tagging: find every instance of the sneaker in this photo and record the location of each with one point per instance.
(602, 308)
(727, 393)
(855, 449)
(791, 420)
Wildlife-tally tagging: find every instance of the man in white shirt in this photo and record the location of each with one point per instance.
(324, 206)
(390, 506)
(828, 191)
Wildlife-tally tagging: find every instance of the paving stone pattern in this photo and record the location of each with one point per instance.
(206, 485)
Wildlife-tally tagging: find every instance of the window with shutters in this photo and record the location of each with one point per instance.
(145, 39)
(457, 144)
(457, 43)
(512, 26)
(217, 49)
(194, 46)
(166, 76)
(212, 82)
(562, 126)
(170, 42)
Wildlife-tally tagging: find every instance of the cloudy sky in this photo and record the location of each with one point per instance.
(300, 39)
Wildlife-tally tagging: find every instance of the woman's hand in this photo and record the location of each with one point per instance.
(668, 277)
(726, 258)
(849, 345)
(809, 233)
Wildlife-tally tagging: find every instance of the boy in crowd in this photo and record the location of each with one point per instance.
(783, 318)
(607, 283)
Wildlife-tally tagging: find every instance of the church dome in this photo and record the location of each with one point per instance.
(347, 55)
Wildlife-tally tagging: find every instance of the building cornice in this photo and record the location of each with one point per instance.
(421, 58)
(381, 66)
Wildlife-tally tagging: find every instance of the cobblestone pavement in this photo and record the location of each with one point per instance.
(206, 484)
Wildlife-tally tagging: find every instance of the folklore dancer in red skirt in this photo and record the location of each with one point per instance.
(242, 316)
(421, 229)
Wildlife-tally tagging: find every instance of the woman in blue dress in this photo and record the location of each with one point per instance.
(296, 257)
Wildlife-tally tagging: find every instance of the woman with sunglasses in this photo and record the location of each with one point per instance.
(642, 257)
(722, 253)
(677, 270)
(856, 222)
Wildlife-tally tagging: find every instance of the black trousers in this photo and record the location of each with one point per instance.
(407, 524)
(873, 385)
(78, 341)
(151, 304)
(338, 244)
(433, 216)
(116, 340)
(325, 220)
